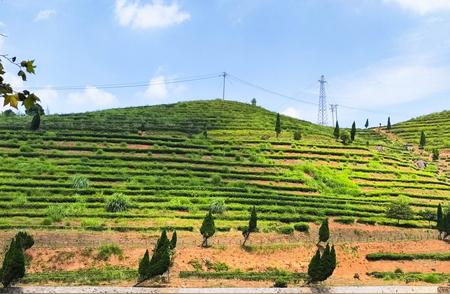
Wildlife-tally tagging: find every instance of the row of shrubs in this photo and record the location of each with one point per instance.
(407, 256)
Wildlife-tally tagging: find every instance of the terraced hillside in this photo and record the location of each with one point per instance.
(160, 158)
(437, 130)
(436, 127)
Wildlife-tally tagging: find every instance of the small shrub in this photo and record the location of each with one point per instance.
(56, 213)
(280, 282)
(301, 227)
(99, 152)
(25, 148)
(108, 250)
(297, 135)
(216, 180)
(80, 182)
(287, 230)
(398, 271)
(118, 202)
(217, 206)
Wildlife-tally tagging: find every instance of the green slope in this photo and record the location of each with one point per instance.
(436, 127)
(158, 157)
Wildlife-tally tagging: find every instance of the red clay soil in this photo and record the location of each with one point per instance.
(71, 255)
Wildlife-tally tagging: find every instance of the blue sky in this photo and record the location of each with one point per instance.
(380, 57)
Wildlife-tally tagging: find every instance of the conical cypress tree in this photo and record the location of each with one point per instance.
(163, 240)
(423, 140)
(35, 122)
(333, 261)
(325, 263)
(314, 268)
(439, 220)
(324, 231)
(208, 228)
(144, 265)
(389, 123)
(173, 241)
(336, 131)
(13, 267)
(278, 125)
(252, 223)
(367, 123)
(353, 131)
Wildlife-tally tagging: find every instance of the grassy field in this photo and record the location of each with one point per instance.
(62, 184)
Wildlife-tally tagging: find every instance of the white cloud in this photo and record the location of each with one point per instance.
(157, 90)
(153, 15)
(292, 112)
(90, 99)
(160, 89)
(44, 14)
(423, 6)
(392, 82)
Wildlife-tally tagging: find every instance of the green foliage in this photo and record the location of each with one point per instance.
(253, 102)
(287, 230)
(35, 122)
(217, 206)
(144, 266)
(301, 227)
(366, 125)
(173, 241)
(26, 148)
(324, 231)
(278, 125)
(35, 109)
(399, 209)
(107, 250)
(433, 278)
(13, 268)
(435, 154)
(208, 228)
(408, 256)
(314, 272)
(336, 132)
(345, 137)
(216, 180)
(423, 140)
(118, 202)
(329, 181)
(297, 135)
(280, 282)
(322, 266)
(353, 132)
(80, 182)
(56, 212)
(252, 225)
(389, 126)
(25, 239)
(10, 96)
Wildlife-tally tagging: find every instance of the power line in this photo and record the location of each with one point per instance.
(132, 85)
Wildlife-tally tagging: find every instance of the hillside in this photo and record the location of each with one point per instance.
(436, 127)
(157, 157)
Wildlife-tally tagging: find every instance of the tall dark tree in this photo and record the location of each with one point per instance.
(173, 241)
(389, 123)
(208, 228)
(440, 225)
(423, 140)
(353, 132)
(314, 267)
(324, 231)
(278, 125)
(367, 123)
(254, 102)
(13, 268)
(336, 131)
(252, 225)
(35, 122)
(144, 265)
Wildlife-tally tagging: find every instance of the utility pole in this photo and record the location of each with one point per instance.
(322, 116)
(333, 108)
(224, 75)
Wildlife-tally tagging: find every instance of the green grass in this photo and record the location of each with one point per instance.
(432, 278)
(82, 277)
(407, 256)
(268, 275)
